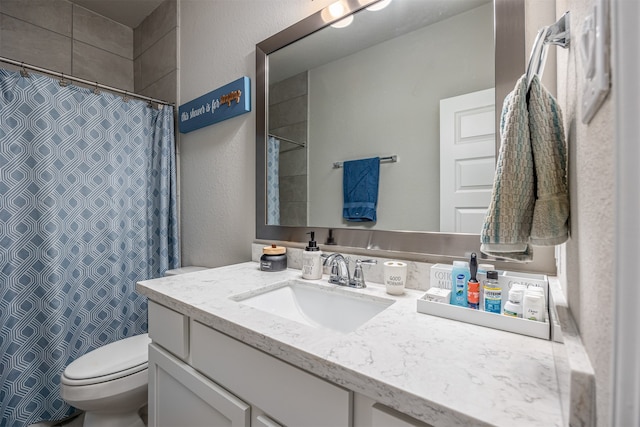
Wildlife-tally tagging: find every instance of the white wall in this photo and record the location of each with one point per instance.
(359, 96)
(217, 172)
(587, 265)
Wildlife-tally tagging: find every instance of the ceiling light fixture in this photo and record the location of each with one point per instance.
(379, 5)
(343, 22)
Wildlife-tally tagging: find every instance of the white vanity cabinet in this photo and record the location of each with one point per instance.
(216, 380)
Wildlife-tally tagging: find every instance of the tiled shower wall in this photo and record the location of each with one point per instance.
(288, 118)
(154, 52)
(64, 37)
(61, 36)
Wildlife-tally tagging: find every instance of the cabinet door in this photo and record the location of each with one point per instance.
(180, 396)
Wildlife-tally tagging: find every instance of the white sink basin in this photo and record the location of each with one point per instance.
(325, 307)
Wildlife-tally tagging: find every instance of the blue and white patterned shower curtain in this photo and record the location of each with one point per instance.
(87, 208)
(273, 181)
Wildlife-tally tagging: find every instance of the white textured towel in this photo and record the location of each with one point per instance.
(530, 200)
(550, 224)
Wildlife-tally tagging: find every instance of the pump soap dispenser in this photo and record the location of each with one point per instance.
(312, 260)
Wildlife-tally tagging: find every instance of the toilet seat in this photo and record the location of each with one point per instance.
(110, 362)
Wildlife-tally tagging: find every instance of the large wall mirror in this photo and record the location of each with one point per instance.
(414, 82)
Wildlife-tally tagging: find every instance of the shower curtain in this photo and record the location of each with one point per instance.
(273, 181)
(87, 208)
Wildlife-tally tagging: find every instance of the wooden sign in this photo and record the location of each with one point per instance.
(221, 104)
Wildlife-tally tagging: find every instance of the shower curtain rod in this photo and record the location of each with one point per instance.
(96, 85)
(299, 144)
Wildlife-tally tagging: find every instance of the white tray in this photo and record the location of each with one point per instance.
(491, 320)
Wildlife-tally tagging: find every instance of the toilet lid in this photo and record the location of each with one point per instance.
(120, 356)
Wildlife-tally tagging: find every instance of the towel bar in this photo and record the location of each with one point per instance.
(387, 159)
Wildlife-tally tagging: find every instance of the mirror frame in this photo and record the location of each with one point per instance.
(510, 60)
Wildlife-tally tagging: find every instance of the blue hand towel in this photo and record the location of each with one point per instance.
(360, 185)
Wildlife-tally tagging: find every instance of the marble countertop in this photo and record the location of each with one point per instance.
(440, 371)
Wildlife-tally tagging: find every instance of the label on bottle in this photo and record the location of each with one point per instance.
(473, 295)
(311, 265)
(533, 314)
(510, 313)
(459, 288)
(492, 299)
(265, 265)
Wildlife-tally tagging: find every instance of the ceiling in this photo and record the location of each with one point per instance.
(128, 12)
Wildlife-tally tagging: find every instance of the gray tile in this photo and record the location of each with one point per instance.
(292, 87)
(296, 132)
(289, 112)
(158, 61)
(293, 213)
(293, 162)
(95, 64)
(155, 26)
(164, 89)
(98, 31)
(137, 75)
(34, 45)
(293, 188)
(54, 15)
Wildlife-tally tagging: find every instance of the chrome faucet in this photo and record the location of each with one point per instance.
(339, 269)
(340, 274)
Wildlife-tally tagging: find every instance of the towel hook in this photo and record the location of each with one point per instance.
(558, 34)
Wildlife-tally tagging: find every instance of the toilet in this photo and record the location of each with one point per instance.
(110, 383)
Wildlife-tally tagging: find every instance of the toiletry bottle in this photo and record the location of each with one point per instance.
(482, 276)
(492, 293)
(473, 295)
(513, 307)
(312, 260)
(460, 276)
(533, 305)
(473, 287)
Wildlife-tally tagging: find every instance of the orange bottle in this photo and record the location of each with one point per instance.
(473, 294)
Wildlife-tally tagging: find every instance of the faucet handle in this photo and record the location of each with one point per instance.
(358, 274)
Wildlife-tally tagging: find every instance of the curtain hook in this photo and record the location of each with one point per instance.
(149, 104)
(62, 81)
(126, 98)
(23, 71)
(96, 90)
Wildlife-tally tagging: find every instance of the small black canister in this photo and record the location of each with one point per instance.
(274, 258)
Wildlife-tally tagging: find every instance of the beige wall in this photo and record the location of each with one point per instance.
(217, 46)
(587, 265)
(63, 37)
